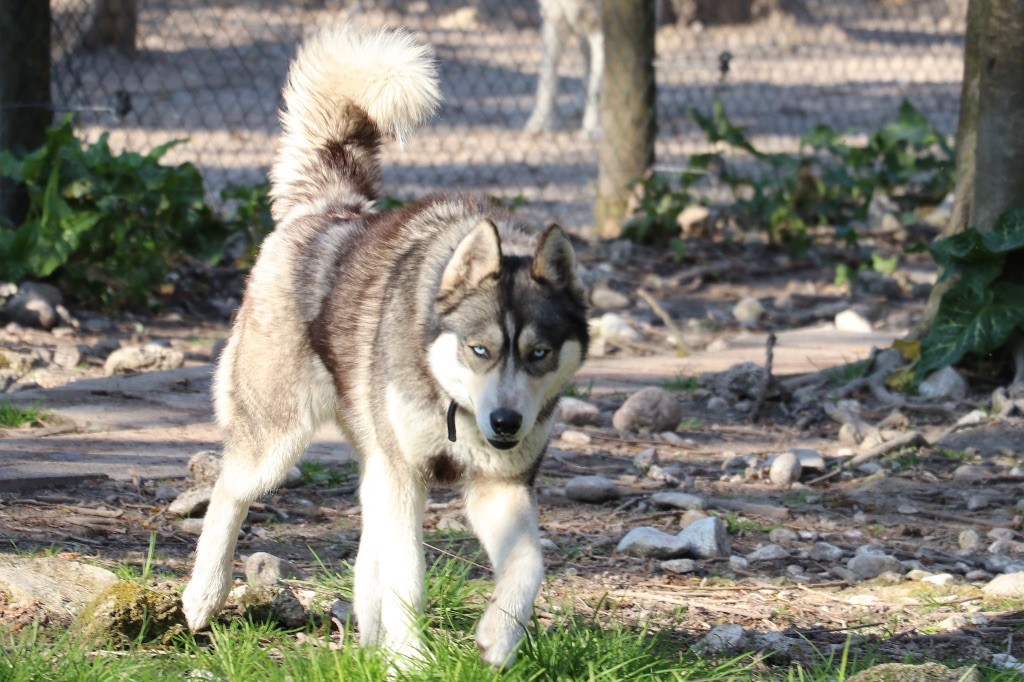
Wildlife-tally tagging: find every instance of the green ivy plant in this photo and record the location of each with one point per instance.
(107, 226)
(828, 182)
(984, 305)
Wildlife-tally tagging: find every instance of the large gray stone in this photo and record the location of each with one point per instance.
(651, 409)
(591, 489)
(943, 384)
(1006, 585)
(148, 358)
(60, 585)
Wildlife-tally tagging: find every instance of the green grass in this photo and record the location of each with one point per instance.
(12, 417)
(843, 374)
(321, 473)
(145, 572)
(573, 390)
(737, 524)
(681, 382)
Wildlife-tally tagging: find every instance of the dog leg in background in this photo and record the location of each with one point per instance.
(504, 516)
(389, 570)
(554, 31)
(595, 73)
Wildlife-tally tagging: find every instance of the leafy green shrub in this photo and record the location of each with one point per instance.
(109, 226)
(249, 215)
(828, 182)
(985, 303)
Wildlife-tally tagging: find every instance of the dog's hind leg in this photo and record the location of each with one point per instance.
(389, 568)
(265, 432)
(504, 517)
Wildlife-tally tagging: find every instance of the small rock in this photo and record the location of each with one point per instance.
(205, 467)
(613, 328)
(922, 672)
(938, 579)
(770, 552)
(662, 475)
(651, 409)
(148, 358)
(748, 310)
(693, 221)
(603, 297)
(1000, 563)
(707, 538)
(907, 509)
(742, 381)
(30, 310)
(1006, 547)
(738, 563)
(943, 384)
(977, 576)
(47, 292)
(576, 412)
(973, 418)
(591, 489)
(977, 502)
(1007, 662)
(130, 612)
(191, 502)
(785, 470)
(718, 405)
(165, 493)
(1001, 534)
(677, 500)
(691, 516)
(850, 434)
(292, 478)
(970, 472)
(1007, 585)
(810, 459)
(679, 565)
(273, 604)
(649, 542)
(645, 459)
(852, 321)
(723, 638)
(1001, 403)
(970, 540)
(870, 562)
(572, 437)
(191, 526)
(67, 355)
(263, 569)
(782, 536)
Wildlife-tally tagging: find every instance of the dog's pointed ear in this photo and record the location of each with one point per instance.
(476, 258)
(555, 262)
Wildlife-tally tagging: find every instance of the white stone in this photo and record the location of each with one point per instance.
(943, 384)
(852, 321)
(1007, 585)
(573, 437)
(576, 412)
(785, 469)
(613, 328)
(748, 310)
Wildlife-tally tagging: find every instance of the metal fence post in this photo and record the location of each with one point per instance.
(627, 109)
(25, 110)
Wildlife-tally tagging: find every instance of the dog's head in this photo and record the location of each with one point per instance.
(513, 329)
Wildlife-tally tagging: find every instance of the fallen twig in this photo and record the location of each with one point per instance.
(762, 397)
(681, 349)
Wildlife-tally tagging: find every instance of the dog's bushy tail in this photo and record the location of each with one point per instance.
(346, 88)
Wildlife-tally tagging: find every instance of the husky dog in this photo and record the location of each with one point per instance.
(559, 20)
(439, 336)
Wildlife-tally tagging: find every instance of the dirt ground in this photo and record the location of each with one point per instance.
(913, 503)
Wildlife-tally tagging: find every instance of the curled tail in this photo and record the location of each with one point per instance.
(346, 88)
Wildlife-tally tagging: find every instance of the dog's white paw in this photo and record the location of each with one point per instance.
(497, 636)
(199, 605)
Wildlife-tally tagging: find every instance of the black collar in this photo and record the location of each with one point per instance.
(452, 407)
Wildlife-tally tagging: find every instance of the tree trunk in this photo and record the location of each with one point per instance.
(115, 23)
(966, 142)
(626, 109)
(25, 110)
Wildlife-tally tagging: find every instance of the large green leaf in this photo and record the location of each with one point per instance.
(970, 321)
(1008, 232)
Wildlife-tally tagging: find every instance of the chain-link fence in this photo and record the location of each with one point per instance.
(149, 71)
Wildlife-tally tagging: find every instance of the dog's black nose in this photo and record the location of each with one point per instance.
(506, 422)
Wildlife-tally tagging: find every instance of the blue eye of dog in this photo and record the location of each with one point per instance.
(539, 353)
(480, 351)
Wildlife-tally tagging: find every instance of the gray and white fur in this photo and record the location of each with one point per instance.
(393, 324)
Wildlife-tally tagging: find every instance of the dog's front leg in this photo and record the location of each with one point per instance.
(504, 517)
(389, 568)
(553, 34)
(595, 74)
